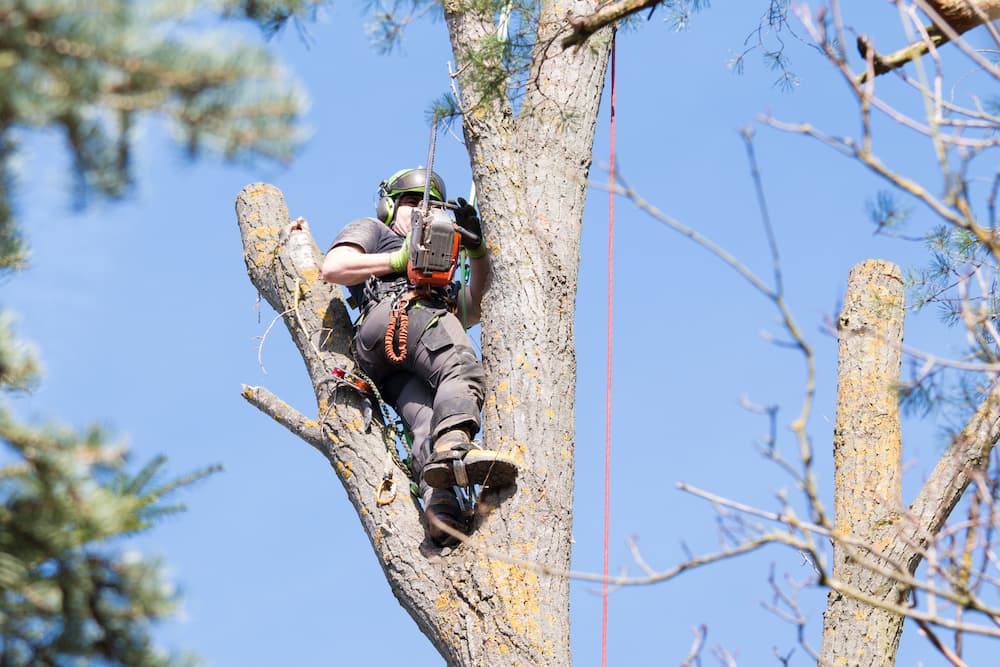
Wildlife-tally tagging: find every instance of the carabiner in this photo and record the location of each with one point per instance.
(385, 491)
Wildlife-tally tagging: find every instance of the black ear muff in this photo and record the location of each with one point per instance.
(384, 209)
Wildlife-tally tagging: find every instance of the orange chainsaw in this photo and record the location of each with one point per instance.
(435, 238)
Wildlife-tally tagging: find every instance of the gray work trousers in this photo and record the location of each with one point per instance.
(438, 387)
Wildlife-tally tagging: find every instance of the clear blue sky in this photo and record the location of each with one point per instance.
(148, 324)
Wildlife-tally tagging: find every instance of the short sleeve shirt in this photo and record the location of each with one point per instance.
(372, 236)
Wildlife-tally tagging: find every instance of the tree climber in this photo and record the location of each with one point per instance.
(435, 381)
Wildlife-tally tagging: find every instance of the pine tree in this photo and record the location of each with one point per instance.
(90, 71)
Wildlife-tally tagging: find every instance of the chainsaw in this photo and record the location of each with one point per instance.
(435, 237)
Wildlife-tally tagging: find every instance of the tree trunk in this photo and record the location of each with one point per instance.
(530, 167)
(863, 619)
(867, 460)
(531, 174)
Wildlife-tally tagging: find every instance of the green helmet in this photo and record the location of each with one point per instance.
(405, 180)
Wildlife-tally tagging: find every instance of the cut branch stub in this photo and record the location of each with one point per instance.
(867, 459)
(283, 263)
(867, 444)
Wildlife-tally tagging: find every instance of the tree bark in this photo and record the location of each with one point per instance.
(530, 167)
(867, 461)
(867, 455)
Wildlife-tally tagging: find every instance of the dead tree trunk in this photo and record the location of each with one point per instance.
(878, 544)
(867, 460)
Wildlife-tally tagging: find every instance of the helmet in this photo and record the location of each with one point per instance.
(406, 180)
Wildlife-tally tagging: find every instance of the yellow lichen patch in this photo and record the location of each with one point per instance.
(503, 386)
(443, 600)
(550, 413)
(344, 469)
(524, 547)
(565, 453)
(310, 275)
(511, 404)
(519, 591)
(258, 191)
(333, 437)
(356, 425)
(266, 230)
(310, 423)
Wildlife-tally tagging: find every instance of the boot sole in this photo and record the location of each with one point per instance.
(483, 467)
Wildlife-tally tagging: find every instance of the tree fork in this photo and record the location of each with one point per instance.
(475, 609)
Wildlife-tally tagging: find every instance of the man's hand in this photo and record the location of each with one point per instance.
(399, 259)
(467, 218)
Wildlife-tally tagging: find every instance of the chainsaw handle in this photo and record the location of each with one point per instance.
(471, 237)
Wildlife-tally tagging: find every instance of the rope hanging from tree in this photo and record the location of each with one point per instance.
(607, 407)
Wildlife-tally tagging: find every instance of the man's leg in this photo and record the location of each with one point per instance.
(414, 403)
(444, 355)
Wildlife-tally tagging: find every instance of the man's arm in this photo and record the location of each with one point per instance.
(479, 271)
(348, 264)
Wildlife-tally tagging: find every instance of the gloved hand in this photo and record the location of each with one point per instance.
(467, 218)
(399, 259)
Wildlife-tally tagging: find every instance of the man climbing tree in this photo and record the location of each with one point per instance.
(530, 173)
(528, 115)
(411, 343)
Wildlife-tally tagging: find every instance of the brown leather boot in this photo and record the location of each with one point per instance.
(441, 508)
(457, 461)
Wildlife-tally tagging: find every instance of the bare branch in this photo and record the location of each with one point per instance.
(950, 18)
(582, 27)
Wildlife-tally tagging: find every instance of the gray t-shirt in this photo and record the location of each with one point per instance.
(372, 236)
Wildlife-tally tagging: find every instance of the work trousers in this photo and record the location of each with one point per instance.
(438, 387)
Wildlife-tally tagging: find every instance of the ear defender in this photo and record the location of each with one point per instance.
(386, 206)
(384, 209)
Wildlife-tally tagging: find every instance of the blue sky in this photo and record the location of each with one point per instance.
(147, 324)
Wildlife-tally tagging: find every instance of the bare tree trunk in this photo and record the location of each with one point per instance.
(531, 175)
(867, 459)
(867, 601)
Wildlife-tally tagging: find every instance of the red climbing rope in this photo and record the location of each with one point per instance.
(607, 406)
